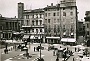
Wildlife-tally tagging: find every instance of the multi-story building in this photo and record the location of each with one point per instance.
(8, 26)
(81, 28)
(33, 24)
(52, 23)
(59, 20)
(87, 27)
(68, 18)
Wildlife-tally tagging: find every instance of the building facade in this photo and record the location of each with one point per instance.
(59, 21)
(8, 26)
(33, 25)
(87, 27)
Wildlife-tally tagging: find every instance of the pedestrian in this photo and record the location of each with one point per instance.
(54, 53)
(57, 59)
(60, 46)
(67, 48)
(73, 59)
(34, 49)
(78, 49)
(75, 49)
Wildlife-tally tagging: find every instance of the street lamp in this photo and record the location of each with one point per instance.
(40, 59)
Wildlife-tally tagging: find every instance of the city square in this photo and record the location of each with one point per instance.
(49, 33)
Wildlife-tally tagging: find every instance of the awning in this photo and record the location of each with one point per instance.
(26, 36)
(32, 37)
(16, 33)
(52, 37)
(64, 40)
(72, 34)
(68, 40)
(13, 41)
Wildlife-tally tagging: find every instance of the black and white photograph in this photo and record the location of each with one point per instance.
(44, 30)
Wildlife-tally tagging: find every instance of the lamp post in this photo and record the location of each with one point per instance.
(40, 59)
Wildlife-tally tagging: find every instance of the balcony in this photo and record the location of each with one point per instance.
(33, 26)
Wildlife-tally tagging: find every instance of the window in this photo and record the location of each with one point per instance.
(54, 14)
(46, 14)
(54, 28)
(63, 8)
(27, 16)
(32, 22)
(45, 20)
(71, 13)
(57, 13)
(32, 16)
(87, 25)
(40, 15)
(36, 15)
(27, 22)
(49, 29)
(58, 28)
(40, 30)
(64, 13)
(6, 25)
(57, 9)
(58, 20)
(36, 30)
(32, 30)
(40, 22)
(63, 26)
(36, 22)
(54, 20)
(87, 32)
(48, 20)
(49, 14)
(0, 27)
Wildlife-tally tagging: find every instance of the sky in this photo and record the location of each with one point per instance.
(8, 8)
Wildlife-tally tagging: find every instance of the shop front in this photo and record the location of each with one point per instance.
(68, 41)
(52, 40)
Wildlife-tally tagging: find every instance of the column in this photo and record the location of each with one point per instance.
(8, 25)
(17, 25)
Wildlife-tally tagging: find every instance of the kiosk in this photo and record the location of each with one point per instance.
(60, 52)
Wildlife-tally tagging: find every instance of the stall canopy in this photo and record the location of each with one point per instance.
(53, 37)
(26, 36)
(13, 41)
(68, 40)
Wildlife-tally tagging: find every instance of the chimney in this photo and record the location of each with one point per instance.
(51, 4)
(15, 16)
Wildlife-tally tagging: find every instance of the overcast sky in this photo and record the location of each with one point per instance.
(8, 8)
